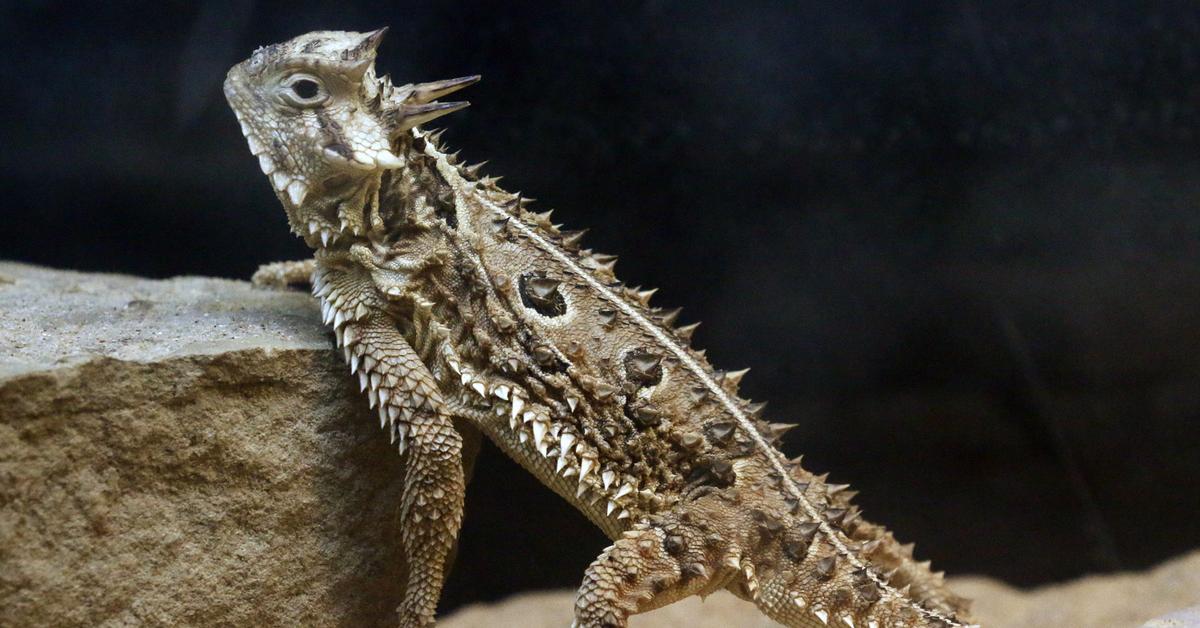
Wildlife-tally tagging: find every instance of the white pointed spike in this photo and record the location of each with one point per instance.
(572, 403)
(822, 615)
(513, 422)
(523, 436)
(580, 490)
(338, 318)
(376, 379)
(324, 238)
(568, 441)
(872, 624)
(561, 464)
(363, 158)
(501, 392)
(394, 415)
(362, 381)
(373, 397)
(455, 366)
(624, 514)
(297, 191)
(570, 472)
(313, 226)
(585, 467)
(280, 181)
(529, 416)
(518, 405)
(610, 508)
(848, 620)
(799, 601)
(350, 335)
(265, 163)
(384, 395)
(383, 416)
(479, 388)
(607, 477)
(354, 363)
(465, 378)
(623, 491)
(337, 333)
(388, 159)
(325, 311)
(539, 436)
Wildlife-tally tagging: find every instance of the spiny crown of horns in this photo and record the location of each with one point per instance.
(316, 116)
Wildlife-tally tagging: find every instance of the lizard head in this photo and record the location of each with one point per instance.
(325, 129)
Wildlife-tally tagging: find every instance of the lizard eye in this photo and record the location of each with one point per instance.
(302, 90)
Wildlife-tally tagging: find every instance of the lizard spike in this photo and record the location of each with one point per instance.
(643, 296)
(734, 378)
(572, 402)
(571, 239)
(372, 397)
(501, 392)
(297, 191)
(362, 381)
(561, 464)
(409, 116)
(607, 477)
(586, 464)
(353, 363)
(756, 409)
(473, 171)
(339, 318)
(848, 620)
(567, 442)
(776, 430)
(384, 396)
(685, 332)
(668, 317)
(539, 435)
(383, 420)
(822, 615)
(610, 508)
(435, 136)
(479, 388)
(623, 491)
(518, 404)
(423, 93)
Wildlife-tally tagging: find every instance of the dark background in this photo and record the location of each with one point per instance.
(956, 241)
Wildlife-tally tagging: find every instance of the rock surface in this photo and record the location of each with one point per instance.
(191, 452)
(1107, 601)
(184, 452)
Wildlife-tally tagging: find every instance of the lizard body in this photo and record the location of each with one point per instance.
(460, 310)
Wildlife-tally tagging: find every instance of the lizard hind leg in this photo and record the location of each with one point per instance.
(661, 560)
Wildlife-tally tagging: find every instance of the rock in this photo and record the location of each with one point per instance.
(1103, 601)
(188, 451)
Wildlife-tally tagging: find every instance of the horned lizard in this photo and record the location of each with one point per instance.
(460, 311)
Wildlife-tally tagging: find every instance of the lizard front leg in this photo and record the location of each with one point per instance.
(282, 275)
(412, 409)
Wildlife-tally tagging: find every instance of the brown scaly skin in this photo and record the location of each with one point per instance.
(459, 310)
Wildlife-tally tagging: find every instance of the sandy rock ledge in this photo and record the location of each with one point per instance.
(191, 452)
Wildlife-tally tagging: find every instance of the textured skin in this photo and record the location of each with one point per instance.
(459, 310)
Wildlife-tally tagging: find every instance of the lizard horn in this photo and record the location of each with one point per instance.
(408, 116)
(423, 93)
